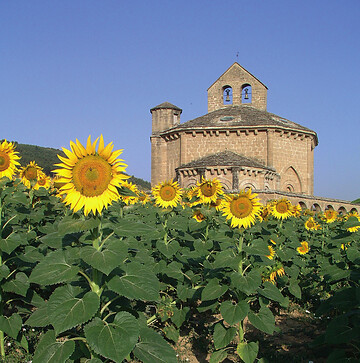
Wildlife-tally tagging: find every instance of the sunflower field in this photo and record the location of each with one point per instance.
(94, 270)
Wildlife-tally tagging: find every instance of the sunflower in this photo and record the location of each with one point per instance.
(167, 194)
(280, 271)
(29, 174)
(271, 254)
(8, 159)
(43, 181)
(304, 248)
(209, 190)
(217, 204)
(356, 215)
(330, 215)
(90, 177)
(242, 209)
(144, 198)
(310, 224)
(198, 216)
(130, 199)
(296, 210)
(281, 209)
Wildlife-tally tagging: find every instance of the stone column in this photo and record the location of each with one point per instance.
(235, 178)
(201, 173)
(270, 148)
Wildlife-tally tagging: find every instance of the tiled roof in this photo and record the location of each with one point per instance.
(225, 158)
(237, 116)
(166, 105)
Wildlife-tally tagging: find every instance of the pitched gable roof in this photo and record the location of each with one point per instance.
(236, 64)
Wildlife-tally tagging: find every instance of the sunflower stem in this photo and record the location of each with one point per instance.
(241, 332)
(165, 229)
(240, 250)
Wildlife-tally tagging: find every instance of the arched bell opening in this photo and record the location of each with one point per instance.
(246, 93)
(227, 95)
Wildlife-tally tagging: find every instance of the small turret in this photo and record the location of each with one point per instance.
(164, 116)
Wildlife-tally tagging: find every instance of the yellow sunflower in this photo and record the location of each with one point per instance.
(310, 224)
(356, 215)
(130, 199)
(276, 271)
(271, 254)
(144, 198)
(8, 159)
(217, 204)
(209, 190)
(242, 208)
(167, 194)
(304, 248)
(90, 176)
(296, 210)
(30, 173)
(43, 181)
(330, 215)
(281, 209)
(198, 216)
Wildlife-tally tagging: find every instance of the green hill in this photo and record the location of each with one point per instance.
(46, 157)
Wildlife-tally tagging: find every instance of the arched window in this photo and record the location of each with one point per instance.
(246, 93)
(342, 210)
(302, 205)
(316, 208)
(227, 95)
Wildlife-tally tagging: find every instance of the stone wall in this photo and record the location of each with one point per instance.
(237, 78)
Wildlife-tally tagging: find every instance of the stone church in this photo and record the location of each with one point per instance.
(238, 141)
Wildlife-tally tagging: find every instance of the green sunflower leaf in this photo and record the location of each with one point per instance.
(39, 317)
(11, 242)
(113, 340)
(233, 313)
(248, 351)
(130, 228)
(53, 269)
(66, 310)
(71, 225)
(138, 282)
(213, 290)
(218, 356)
(20, 284)
(222, 336)
(11, 325)
(263, 321)
(153, 348)
(49, 350)
(248, 283)
(271, 292)
(106, 259)
(168, 250)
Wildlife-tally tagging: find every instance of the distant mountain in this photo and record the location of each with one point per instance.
(46, 157)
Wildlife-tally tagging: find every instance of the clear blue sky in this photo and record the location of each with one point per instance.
(78, 67)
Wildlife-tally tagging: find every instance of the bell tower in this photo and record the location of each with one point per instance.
(235, 87)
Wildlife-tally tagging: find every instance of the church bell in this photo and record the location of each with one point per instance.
(227, 99)
(246, 96)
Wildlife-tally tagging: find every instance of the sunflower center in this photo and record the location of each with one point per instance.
(167, 193)
(30, 173)
(241, 207)
(311, 224)
(91, 175)
(4, 161)
(282, 207)
(208, 189)
(41, 181)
